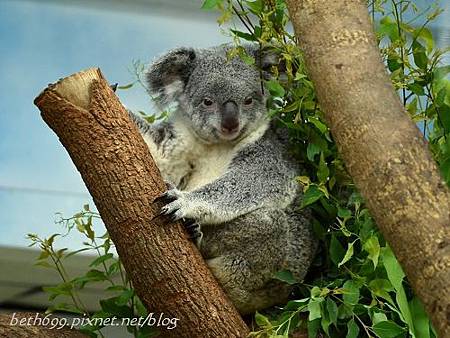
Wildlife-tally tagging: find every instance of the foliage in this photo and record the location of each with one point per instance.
(105, 270)
(357, 287)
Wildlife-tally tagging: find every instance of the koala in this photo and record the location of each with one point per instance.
(230, 176)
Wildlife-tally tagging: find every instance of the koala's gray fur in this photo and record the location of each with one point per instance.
(230, 172)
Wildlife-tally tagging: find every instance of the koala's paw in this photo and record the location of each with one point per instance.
(194, 231)
(180, 204)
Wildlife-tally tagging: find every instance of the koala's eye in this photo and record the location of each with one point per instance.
(207, 102)
(248, 101)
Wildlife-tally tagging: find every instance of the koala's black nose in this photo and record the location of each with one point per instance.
(230, 117)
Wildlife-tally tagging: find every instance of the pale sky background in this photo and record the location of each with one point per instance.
(42, 42)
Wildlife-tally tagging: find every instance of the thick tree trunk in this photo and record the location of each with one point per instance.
(382, 148)
(167, 271)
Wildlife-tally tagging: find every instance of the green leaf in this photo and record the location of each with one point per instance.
(445, 169)
(88, 227)
(63, 289)
(116, 288)
(255, 6)
(394, 270)
(348, 254)
(372, 246)
(128, 86)
(275, 88)
(388, 28)
(441, 72)
(351, 292)
(285, 276)
(344, 213)
(424, 34)
(124, 297)
(419, 318)
(378, 317)
(387, 329)
(394, 62)
(381, 288)
(101, 259)
(332, 310)
(312, 150)
(249, 60)
(293, 305)
(311, 195)
(75, 252)
(262, 320)
(319, 125)
(352, 329)
(420, 56)
(113, 268)
(345, 311)
(51, 239)
(325, 323)
(400, 297)
(65, 307)
(43, 255)
(91, 276)
(323, 172)
(313, 328)
(244, 35)
(416, 88)
(336, 250)
(314, 309)
(444, 117)
(110, 306)
(396, 275)
(209, 4)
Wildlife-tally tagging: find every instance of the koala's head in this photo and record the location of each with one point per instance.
(221, 100)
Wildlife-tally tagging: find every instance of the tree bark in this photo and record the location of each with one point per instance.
(382, 148)
(166, 269)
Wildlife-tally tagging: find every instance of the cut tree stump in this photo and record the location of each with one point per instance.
(167, 271)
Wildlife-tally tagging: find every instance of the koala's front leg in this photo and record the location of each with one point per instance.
(249, 184)
(187, 205)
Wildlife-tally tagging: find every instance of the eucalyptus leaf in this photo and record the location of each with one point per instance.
(352, 329)
(387, 329)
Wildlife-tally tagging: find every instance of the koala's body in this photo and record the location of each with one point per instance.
(230, 173)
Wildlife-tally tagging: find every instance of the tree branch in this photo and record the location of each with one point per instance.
(382, 148)
(166, 269)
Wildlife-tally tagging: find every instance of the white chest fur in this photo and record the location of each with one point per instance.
(189, 163)
(211, 163)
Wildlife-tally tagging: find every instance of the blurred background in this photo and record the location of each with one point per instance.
(42, 41)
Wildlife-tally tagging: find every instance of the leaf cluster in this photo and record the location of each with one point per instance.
(105, 271)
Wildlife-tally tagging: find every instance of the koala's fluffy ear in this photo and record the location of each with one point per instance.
(169, 74)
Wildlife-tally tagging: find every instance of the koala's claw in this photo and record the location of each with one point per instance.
(181, 204)
(170, 195)
(164, 198)
(193, 229)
